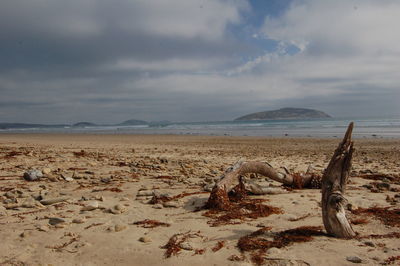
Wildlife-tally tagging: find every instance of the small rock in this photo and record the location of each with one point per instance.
(157, 206)
(55, 221)
(145, 239)
(354, 259)
(79, 220)
(118, 209)
(290, 217)
(46, 171)
(186, 246)
(54, 200)
(90, 206)
(273, 251)
(25, 234)
(33, 174)
(119, 227)
(144, 193)
(383, 186)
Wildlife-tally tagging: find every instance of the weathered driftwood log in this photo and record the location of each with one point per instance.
(219, 195)
(334, 182)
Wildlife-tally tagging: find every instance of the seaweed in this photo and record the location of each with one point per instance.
(151, 223)
(236, 207)
(375, 236)
(259, 245)
(391, 260)
(218, 246)
(359, 221)
(173, 247)
(388, 217)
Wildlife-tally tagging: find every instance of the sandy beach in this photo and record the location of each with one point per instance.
(93, 204)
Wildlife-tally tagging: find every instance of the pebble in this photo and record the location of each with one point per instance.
(354, 259)
(54, 200)
(290, 217)
(118, 209)
(273, 251)
(55, 221)
(33, 174)
(145, 239)
(143, 193)
(186, 246)
(46, 171)
(119, 227)
(157, 206)
(369, 243)
(79, 220)
(90, 206)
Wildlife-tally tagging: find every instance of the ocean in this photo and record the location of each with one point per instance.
(325, 128)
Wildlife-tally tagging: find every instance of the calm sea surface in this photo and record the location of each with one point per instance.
(370, 128)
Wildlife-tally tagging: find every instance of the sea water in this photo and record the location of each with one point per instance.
(331, 128)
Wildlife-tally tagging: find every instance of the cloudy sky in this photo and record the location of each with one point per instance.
(196, 60)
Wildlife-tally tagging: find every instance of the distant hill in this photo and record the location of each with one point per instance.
(84, 124)
(132, 122)
(285, 113)
(25, 126)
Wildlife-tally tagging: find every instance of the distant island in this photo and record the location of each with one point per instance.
(285, 113)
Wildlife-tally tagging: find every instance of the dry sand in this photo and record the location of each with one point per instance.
(97, 178)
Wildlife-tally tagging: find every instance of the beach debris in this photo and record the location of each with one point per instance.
(118, 209)
(390, 217)
(260, 241)
(79, 220)
(237, 208)
(391, 260)
(218, 246)
(175, 243)
(147, 223)
(354, 259)
(33, 175)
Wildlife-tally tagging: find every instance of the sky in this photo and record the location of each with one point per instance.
(196, 60)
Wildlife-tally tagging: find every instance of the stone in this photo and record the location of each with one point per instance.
(79, 220)
(157, 206)
(145, 239)
(186, 246)
(383, 186)
(46, 171)
(33, 175)
(90, 206)
(369, 243)
(56, 221)
(118, 209)
(273, 251)
(354, 259)
(143, 193)
(119, 227)
(290, 217)
(54, 200)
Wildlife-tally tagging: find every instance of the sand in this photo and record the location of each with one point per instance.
(99, 179)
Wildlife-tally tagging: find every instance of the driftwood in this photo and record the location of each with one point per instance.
(219, 195)
(333, 187)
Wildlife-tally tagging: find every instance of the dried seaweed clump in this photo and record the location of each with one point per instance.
(173, 247)
(391, 260)
(359, 221)
(388, 217)
(218, 246)
(259, 245)
(314, 183)
(151, 223)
